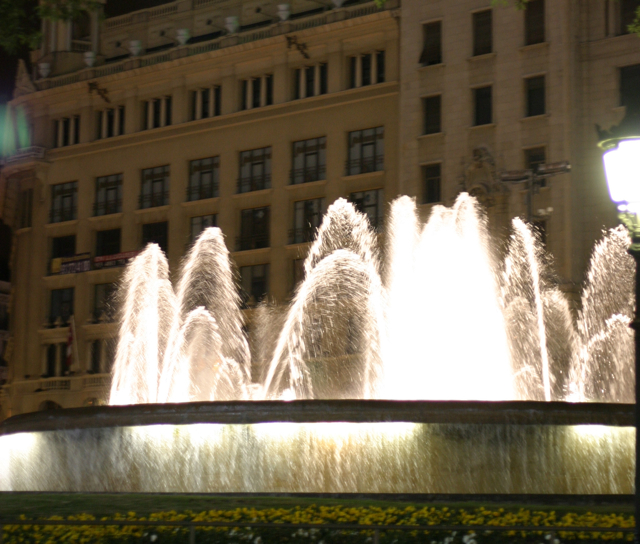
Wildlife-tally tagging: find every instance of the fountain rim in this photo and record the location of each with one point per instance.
(326, 411)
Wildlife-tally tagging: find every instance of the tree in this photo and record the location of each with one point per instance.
(20, 20)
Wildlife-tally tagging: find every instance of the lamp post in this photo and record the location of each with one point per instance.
(621, 157)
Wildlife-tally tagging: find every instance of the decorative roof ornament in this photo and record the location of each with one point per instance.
(24, 84)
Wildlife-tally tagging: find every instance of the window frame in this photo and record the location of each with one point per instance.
(357, 162)
(482, 45)
(308, 173)
(195, 187)
(150, 180)
(249, 180)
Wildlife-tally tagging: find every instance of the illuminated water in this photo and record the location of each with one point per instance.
(439, 316)
(434, 312)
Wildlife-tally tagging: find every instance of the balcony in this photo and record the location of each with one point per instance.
(255, 241)
(26, 154)
(307, 175)
(302, 235)
(202, 193)
(153, 200)
(364, 166)
(113, 261)
(61, 215)
(107, 208)
(249, 184)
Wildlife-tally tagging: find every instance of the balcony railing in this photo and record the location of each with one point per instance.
(57, 321)
(54, 385)
(302, 235)
(256, 241)
(201, 193)
(107, 208)
(154, 200)
(307, 175)
(96, 382)
(246, 185)
(363, 166)
(58, 216)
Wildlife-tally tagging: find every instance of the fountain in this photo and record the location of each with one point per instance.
(432, 369)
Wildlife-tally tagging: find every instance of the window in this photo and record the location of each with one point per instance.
(156, 112)
(255, 170)
(482, 33)
(366, 151)
(309, 160)
(629, 85)
(56, 361)
(61, 306)
(366, 69)
(66, 131)
(535, 96)
(155, 187)
(25, 207)
(254, 284)
(110, 122)
(103, 301)
(254, 229)
(103, 351)
(205, 103)
(371, 204)
(431, 106)
(534, 157)
(310, 81)
(627, 14)
(64, 202)
(534, 22)
(200, 223)
(431, 174)
(431, 44)
(307, 217)
(108, 195)
(107, 242)
(257, 92)
(203, 179)
(483, 114)
(156, 233)
(63, 246)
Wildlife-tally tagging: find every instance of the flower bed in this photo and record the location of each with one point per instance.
(408, 516)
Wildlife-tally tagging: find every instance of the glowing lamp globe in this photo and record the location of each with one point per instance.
(621, 166)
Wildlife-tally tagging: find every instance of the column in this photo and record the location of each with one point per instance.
(249, 103)
(105, 120)
(72, 130)
(303, 82)
(53, 44)
(149, 114)
(358, 71)
(60, 139)
(116, 121)
(199, 104)
(316, 80)
(95, 31)
(374, 67)
(263, 90)
(163, 111)
(212, 105)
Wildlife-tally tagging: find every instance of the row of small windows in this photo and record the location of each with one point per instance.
(254, 232)
(535, 104)
(482, 29)
(255, 92)
(365, 154)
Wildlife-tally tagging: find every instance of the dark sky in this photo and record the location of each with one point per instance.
(9, 64)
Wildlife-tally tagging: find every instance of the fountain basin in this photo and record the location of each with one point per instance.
(324, 446)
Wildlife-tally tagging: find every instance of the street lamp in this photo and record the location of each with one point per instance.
(621, 157)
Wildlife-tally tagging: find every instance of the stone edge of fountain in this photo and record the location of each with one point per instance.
(326, 411)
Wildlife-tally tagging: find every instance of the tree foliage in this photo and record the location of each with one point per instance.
(20, 20)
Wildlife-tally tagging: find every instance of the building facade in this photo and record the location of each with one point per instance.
(255, 128)
(254, 117)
